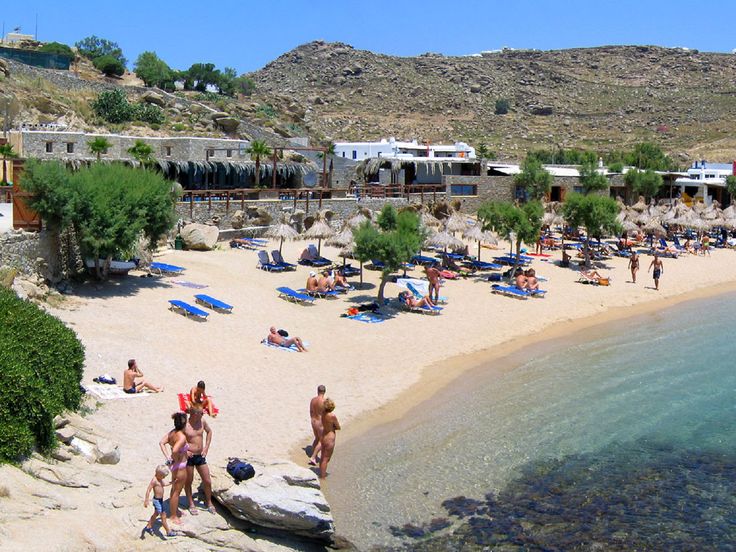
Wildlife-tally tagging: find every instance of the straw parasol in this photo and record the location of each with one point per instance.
(476, 233)
(444, 240)
(319, 231)
(282, 231)
(456, 223)
(428, 220)
(629, 226)
(639, 205)
(653, 227)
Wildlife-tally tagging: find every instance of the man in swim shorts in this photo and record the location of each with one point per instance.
(658, 269)
(277, 339)
(316, 411)
(199, 446)
(133, 381)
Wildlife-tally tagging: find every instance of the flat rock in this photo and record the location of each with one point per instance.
(199, 237)
(228, 124)
(281, 496)
(107, 452)
(154, 98)
(57, 475)
(66, 434)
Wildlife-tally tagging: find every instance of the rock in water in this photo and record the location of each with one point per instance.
(281, 496)
(199, 237)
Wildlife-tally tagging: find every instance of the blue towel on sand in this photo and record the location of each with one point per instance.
(292, 348)
(368, 317)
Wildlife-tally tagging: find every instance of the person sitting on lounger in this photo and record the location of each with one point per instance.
(312, 282)
(133, 381)
(325, 282)
(284, 341)
(520, 279)
(410, 301)
(307, 255)
(338, 279)
(532, 284)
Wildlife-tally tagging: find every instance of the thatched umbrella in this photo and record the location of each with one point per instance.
(629, 226)
(428, 220)
(476, 233)
(282, 231)
(356, 219)
(653, 227)
(639, 205)
(444, 240)
(730, 212)
(456, 223)
(319, 231)
(343, 239)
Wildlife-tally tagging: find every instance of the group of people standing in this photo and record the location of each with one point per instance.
(324, 425)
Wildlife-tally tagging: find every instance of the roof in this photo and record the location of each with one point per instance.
(553, 170)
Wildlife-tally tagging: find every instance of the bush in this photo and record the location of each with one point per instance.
(245, 85)
(109, 65)
(148, 113)
(57, 48)
(41, 365)
(113, 106)
(502, 106)
(616, 167)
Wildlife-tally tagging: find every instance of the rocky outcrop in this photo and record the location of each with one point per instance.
(237, 221)
(154, 98)
(281, 496)
(199, 237)
(228, 124)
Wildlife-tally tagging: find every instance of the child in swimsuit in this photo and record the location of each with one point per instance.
(157, 486)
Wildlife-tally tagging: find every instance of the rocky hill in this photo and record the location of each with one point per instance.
(603, 98)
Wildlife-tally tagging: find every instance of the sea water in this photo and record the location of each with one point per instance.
(620, 439)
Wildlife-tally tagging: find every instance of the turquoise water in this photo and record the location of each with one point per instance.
(620, 439)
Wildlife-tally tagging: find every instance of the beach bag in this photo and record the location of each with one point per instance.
(240, 470)
(494, 278)
(105, 378)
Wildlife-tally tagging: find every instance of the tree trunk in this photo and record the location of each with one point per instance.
(384, 279)
(258, 172)
(516, 261)
(586, 250)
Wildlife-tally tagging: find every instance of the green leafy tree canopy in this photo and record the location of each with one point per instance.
(592, 180)
(536, 181)
(109, 65)
(93, 47)
(646, 183)
(257, 150)
(58, 49)
(596, 213)
(142, 152)
(154, 71)
(731, 185)
(98, 146)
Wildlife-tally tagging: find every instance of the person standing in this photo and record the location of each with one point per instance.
(316, 411)
(329, 426)
(634, 265)
(658, 269)
(199, 446)
(433, 275)
(176, 439)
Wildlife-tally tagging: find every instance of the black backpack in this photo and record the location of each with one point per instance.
(240, 470)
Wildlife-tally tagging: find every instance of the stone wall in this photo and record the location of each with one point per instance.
(21, 250)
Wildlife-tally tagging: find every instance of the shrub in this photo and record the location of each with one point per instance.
(148, 113)
(502, 106)
(109, 65)
(178, 127)
(57, 48)
(113, 106)
(41, 364)
(616, 167)
(245, 85)
(266, 110)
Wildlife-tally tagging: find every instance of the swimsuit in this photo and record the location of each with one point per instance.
(657, 273)
(183, 464)
(196, 460)
(131, 391)
(158, 504)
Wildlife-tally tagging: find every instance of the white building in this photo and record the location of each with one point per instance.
(705, 181)
(393, 148)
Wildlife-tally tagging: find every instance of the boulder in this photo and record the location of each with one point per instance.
(281, 496)
(219, 115)
(66, 434)
(26, 289)
(228, 124)
(57, 475)
(4, 68)
(199, 237)
(154, 98)
(259, 216)
(543, 110)
(107, 452)
(238, 219)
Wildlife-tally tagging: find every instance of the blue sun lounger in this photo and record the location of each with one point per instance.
(349, 270)
(214, 304)
(482, 265)
(319, 294)
(264, 263)
(294, 296)
(377, 264)
(186, 309)
(163, 268)
(426, 309)
(423, 260)
(512, 291)
(278, 260)
(511, 260)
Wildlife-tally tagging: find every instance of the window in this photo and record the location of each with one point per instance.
(210, 153)
(167, 150)
(355, 154)
(229, 153)
(70, 147)
(49, 147)
(577, 189)
(343, 154)
(464, 190)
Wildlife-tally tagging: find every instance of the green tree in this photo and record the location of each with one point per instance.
(202, 75)
(536, 181)
(502, 106)
(591, 180)
(98, 146)
(257, 150)
(57, 48)
(94, 47)
(52, 198)
(154, 71)
(649, 156)
(616, 167)
(6, 152)
(142, 152)
(646, 183)
(596, 213)
(226, 82)
(731, 187)
(483, 152)
(109, 65)
(522, 222)
(245, 85)
(396, 240)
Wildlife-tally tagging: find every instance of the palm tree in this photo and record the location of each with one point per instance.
(6, 152)
(256, 150)
(329, 153)
(98, 146)
(142, 152)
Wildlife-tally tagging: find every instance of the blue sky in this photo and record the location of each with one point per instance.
(248, 34)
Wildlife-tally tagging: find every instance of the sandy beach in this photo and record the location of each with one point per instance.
(372, 371)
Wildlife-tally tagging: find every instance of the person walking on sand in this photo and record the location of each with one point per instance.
(157, 486)
(634, 265)
(329, 426)
(133, 381)
(658, 269)
(433, 275)
(316, 411)
(199, 446)
(176, 439)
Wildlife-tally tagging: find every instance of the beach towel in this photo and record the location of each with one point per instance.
(184, 283)
(108, 392)
(292, 348)
(184, 403)
(367, 317)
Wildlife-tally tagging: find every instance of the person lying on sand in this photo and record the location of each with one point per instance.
(277, 339)
(133, 381)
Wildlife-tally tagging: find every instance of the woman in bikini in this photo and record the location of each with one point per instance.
(177, 462)
(634, 265)
(329, 426)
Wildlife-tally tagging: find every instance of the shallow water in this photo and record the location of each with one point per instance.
(624, 439)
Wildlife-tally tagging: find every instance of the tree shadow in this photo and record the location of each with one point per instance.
(117, 286)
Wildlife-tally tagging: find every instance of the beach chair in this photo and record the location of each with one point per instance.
(212, 303)
(264, 263)
(163, 268)
(423, 260)
(349, 271)
(418, 294)
(426, 309)
(511, 261)
(278, 260)
(294, 296)
(377, 264)
(319, 294)
(516, 293)
(482, 265)
(187, 310)
(316, 259)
